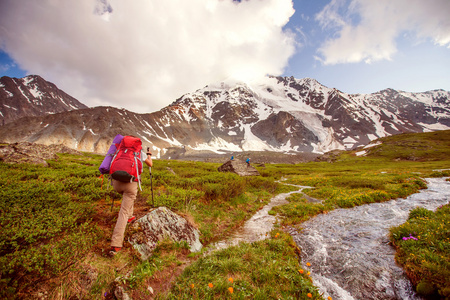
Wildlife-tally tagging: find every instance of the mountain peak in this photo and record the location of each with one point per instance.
(279, 114)
(32, 96)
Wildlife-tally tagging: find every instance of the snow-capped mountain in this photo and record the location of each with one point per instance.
(32, 96)
(278, 114)
(288, 114)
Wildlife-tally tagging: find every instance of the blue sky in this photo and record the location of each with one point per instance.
(144, 54)
(417, 65)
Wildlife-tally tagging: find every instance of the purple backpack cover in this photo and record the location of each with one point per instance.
(104, 167)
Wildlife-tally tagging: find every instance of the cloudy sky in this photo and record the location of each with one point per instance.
(143, 54)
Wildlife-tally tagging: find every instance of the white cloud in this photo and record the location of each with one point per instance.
(143, 54)
(367, 30)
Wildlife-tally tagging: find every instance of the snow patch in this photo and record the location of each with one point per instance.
(372, 137)
(7, 106)
(36, 93)
(361, 153)
(433, 127)
(372, 145)
(252, 142)
(217, 145)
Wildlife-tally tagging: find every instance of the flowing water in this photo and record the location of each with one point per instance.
(259, 225)
(349, 249)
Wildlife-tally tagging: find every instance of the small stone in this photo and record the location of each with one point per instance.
(150, 289)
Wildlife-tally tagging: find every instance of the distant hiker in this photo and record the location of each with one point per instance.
(232, 157)
(248, 162)
(125, 170)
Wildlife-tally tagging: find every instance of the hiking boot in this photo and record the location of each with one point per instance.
(114, 251)
(132, 219)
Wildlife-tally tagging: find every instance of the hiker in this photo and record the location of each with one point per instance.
(248, 162)
(129, 191)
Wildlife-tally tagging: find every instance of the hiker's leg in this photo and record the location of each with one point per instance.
(129, 195)
(130, 211)
(120, 188)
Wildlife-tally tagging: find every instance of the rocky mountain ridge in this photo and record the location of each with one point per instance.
(279, 114)
(32, 96)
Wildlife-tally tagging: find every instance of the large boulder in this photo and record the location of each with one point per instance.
(159, 224)
(239, 167)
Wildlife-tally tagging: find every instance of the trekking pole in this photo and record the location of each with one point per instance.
(151, 184)
(151, 179)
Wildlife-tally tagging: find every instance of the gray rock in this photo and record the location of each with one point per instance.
(157, 225)
(239, 167)
(120, 294)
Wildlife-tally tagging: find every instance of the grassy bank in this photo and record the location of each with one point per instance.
(423, 249)
(267, 269)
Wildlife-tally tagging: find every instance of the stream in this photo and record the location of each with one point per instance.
(349, 250)
(259, 225)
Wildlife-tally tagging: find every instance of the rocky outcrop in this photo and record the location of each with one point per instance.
(31, 153)
(330, 156)
(159, 224)
(239, 167)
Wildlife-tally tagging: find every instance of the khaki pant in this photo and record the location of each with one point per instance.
(129, 191)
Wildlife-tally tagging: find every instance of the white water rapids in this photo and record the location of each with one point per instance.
(349, 249)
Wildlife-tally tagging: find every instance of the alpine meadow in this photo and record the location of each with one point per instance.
(57, 220)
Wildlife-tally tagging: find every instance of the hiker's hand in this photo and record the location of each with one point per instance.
(149, 154)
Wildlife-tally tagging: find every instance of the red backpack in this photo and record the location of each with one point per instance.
(126, 166)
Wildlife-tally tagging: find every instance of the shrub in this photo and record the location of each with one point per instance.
(420, 212)
(44, 212)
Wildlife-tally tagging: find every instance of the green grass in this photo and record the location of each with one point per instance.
(423, 249)
(46, 210)
(41, 217)
(428, 146)
(267, 269)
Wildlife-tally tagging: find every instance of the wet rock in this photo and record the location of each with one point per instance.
(159, 224)
(239, 167)
(25, 152)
